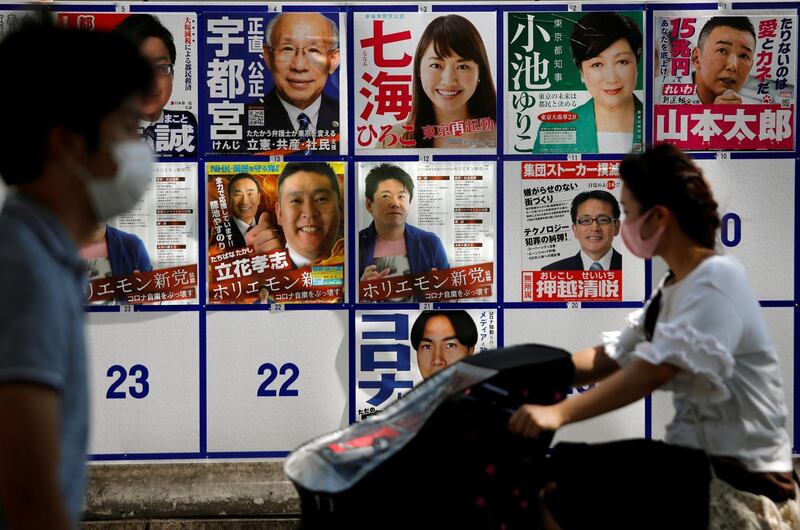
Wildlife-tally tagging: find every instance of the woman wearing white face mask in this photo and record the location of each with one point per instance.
(702, 336)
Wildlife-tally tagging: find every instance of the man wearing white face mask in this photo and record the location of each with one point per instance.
(73, 160)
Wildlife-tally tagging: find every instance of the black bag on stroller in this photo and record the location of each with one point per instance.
(442, 456)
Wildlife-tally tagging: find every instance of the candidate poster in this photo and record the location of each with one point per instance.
(725, 82)
(396, 350)
(275, 232)
(426, 231)
(274, 83)
(169, 42)
(148, 255)
(574, 82)
(569, 228)
(425, 81)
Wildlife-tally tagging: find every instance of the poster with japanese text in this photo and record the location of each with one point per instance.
(275, 83)
(571, 248)
(426, 231)
(169, 42)
(574, 82)
(725, 82)
(396, 350)
(148, 255)
(425, 81)
(275, 232)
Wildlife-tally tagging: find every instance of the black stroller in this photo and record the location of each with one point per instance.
(442, 457)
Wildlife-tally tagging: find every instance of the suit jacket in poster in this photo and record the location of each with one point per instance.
(574, 263)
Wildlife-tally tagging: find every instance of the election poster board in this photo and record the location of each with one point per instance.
(287, 238)
(145, 382)
(574, 82)
(148, 255)
(396, 350)
(725, 82)
(574, 330)
(757, 220)
(169, 124)
(425, 82)
(561, 259)
(273, 383)
(445, 221)
(285, 95)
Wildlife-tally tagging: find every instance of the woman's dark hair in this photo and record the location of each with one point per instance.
(597, 31)
(451, 34)
(666, 176)
(463, 325)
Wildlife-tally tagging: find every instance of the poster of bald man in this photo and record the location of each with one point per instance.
(725, 81)
(273, 83)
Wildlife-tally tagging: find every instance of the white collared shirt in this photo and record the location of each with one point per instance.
(312, 111)
(244, 227)
(605, 261)
(298, 260)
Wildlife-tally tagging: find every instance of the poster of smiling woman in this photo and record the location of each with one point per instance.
(425, 81)
(574, 82)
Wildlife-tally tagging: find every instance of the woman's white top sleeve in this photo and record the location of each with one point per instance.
(711, 326)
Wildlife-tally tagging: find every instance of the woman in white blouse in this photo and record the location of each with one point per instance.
(702, 336)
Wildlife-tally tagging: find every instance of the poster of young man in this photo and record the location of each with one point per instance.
(725, 82)
(426, 231)
(574, 82)
(396, 350)
(570, 245)
(148, 255)
(441, 98)
(169, 42)
(273, 83)
(275, 232)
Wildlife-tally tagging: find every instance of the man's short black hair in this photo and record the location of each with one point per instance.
(320, 168)
(388, 171)
(239, 176)
(740, 23)
(600, 195)
(463, 325)
(139, 27)
(60, 77)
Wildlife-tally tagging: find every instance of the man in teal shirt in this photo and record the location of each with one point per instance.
(72, 158)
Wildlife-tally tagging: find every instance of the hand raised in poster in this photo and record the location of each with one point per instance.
(263, 237)
(371, 273)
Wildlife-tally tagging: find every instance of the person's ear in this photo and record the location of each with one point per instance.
(61, 143)
(334, 64)
(470, 350)
(616, 228)
(278, 218)
(267, 56)
(661, 215)
(696, 58)
(368, 204)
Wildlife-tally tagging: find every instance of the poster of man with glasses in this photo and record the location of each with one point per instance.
(569, 202)
(274, 85)
(169, 42)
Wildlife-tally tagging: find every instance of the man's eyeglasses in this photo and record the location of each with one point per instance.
(600, 220)
(286, 53)
(163, 69)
